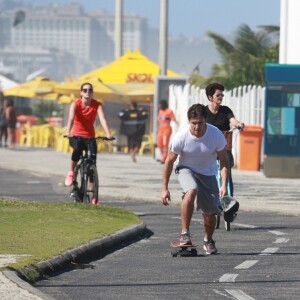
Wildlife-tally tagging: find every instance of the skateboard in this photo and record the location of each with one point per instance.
(183, 250)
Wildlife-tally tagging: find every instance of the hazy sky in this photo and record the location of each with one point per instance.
(194, 18)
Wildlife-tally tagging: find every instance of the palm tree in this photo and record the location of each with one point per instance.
(243, 61)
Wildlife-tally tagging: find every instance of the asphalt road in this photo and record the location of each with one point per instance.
(258, 258)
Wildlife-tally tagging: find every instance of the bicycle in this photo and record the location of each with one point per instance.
(222, 204)
(85, 186)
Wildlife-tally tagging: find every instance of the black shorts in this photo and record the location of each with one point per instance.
(80, 144)
(134, 141)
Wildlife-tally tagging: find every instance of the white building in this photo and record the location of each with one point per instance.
(88, 38)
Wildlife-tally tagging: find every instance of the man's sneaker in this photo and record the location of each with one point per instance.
(70, 178)
(185, 239)
(210, 247)
(95, 202)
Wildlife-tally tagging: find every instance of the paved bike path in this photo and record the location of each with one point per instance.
(121, 179)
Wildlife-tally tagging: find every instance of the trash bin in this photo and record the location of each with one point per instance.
(250, 148)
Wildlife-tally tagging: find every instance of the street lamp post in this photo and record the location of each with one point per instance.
(118, 28)
(163, 37)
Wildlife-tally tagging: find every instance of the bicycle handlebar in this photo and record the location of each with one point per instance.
(235, 128)
(103, 138)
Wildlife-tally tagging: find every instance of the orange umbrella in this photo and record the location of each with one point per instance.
(31, 119)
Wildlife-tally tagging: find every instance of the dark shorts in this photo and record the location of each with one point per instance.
(207, 190)
(80, 144)
(134, 141)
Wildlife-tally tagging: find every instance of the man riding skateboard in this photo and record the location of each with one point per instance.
(197, 146)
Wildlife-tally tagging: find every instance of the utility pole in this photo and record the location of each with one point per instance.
(163, 37)
(118, 28)
(19, 19)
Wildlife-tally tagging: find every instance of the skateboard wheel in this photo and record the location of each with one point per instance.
(174, 253)
(194, 252)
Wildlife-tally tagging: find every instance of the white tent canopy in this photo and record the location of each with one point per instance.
(6, 83)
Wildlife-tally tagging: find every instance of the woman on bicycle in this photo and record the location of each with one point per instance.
(82, 116)
(223, 118)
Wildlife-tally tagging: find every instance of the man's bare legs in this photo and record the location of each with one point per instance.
(134, 152)
(187, 209)
(209, 226)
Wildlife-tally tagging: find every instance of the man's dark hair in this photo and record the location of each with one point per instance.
(197, 111)
(211, 89)
(163, 104)
(133, 104)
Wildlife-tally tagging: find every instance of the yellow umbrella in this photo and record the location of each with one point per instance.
(64, 99)
(132, 68)
(143, 94)
(101, 91)
(39, 88)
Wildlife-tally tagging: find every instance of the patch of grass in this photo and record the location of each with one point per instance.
(46, 230)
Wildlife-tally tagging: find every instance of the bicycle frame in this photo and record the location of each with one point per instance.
(86, 178)
(86, 187)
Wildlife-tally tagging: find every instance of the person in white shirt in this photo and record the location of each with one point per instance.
(198, 146)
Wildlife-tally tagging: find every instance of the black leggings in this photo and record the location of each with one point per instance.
(80, 144)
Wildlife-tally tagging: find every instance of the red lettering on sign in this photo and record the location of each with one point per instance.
(139, 78)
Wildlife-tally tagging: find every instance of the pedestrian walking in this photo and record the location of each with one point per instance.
(11, 121)
(3, 126)
(165, 116)
(133, 125)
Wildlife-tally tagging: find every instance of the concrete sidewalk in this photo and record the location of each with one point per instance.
(121, 179)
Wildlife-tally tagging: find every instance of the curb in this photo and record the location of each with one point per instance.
(96, 249)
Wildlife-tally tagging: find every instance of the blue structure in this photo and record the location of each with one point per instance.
(282, 121)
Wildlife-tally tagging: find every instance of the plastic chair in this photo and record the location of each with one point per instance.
(147, 144)
(25, 136)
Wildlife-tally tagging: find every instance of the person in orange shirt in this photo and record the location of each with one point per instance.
(165, 116)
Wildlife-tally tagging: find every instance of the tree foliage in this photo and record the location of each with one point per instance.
(243, 61)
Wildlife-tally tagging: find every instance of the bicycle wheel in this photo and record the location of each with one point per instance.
(91, 185)
(76, 190)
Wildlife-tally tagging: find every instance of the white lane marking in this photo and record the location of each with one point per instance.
(33, 182)
(221, 293)
(281, 241)
(113, 201)
(246, 264)
(243, 225)
(269, 251)
(276, 232)
(193, 219)
(239, 295)
(228, 277)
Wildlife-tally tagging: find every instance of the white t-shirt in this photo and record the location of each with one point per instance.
(199, 154)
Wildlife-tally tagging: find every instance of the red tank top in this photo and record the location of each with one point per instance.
(85, 118)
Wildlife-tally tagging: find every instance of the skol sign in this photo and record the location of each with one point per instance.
(139, 78)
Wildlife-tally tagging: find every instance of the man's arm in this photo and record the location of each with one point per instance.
(167, 171)
(236, 123)
(224, 166)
